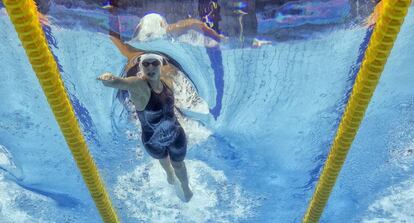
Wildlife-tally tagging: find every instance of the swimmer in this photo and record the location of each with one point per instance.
(162, 135)
(153, 26)
(148, 78)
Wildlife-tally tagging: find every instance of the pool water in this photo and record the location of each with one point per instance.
(255, 152)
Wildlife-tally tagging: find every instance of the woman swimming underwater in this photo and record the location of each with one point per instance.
(147, 78)
(162, 135)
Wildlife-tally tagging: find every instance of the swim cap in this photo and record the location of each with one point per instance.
(152, 26)
(152, 56)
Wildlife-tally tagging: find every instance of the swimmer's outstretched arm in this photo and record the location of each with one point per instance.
(127, 50)
(110, 80)
(183, 26)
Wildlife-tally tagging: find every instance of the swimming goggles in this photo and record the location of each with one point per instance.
(153, 63)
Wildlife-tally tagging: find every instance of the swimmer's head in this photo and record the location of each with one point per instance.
(152, 26)
(150, 65)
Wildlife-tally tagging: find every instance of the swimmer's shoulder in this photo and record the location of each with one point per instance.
(140, 85)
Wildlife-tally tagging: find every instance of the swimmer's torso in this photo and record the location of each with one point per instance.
(159, 123)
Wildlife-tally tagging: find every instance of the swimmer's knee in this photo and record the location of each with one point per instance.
(163, 159)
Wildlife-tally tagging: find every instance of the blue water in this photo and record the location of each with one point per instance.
(256, 160)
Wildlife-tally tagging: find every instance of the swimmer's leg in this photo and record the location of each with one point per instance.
(181, 173)
(166, 165)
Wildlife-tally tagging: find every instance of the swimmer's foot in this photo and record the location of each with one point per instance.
(188, 194)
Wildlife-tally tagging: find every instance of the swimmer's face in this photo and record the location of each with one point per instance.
(151, 68)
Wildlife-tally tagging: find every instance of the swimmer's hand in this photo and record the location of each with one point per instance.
(106, 78)
(223, 37)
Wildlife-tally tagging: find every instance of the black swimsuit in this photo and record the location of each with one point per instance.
(162, 134)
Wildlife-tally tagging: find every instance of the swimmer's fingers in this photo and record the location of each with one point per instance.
(223, 38)
(105, 77)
